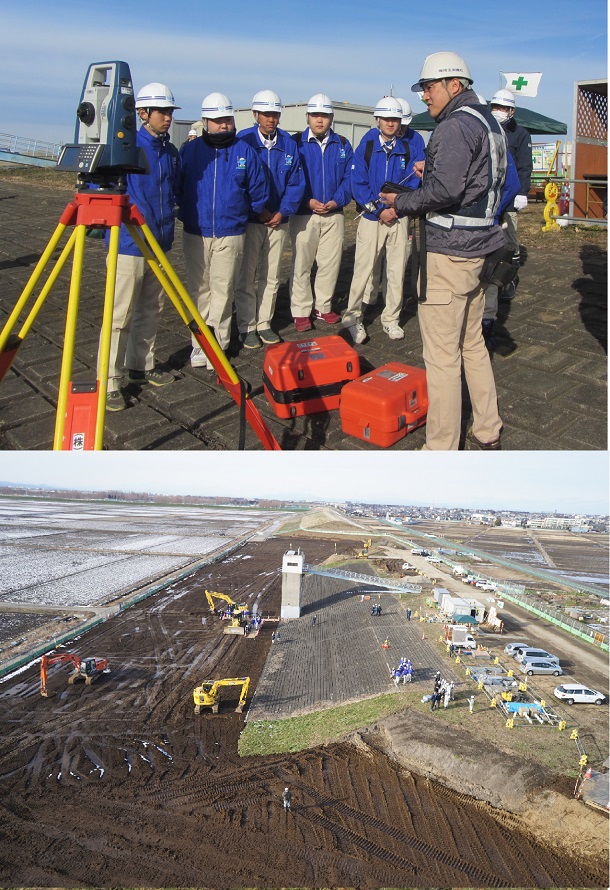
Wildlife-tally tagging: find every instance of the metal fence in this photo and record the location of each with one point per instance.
(34, 148)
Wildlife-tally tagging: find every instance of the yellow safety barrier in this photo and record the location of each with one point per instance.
(510, 723)
(574, 735)
(561, 725)
(551, 193)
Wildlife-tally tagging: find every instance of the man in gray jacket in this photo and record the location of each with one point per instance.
(462, 182)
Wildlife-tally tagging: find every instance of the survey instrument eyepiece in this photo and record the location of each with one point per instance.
(104, 147)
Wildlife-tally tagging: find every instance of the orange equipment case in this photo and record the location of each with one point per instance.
(385, 405)
(306, 376)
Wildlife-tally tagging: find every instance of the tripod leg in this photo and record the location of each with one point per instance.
(106, 334)
(10, 343)
(60, 440)
(33, 281)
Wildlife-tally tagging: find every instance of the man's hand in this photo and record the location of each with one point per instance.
(317, 206)
(388, 216)
(274, 221)
(387, 198)
(418, 168)
(264, 215)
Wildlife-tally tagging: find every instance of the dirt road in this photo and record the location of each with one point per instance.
(120, 784)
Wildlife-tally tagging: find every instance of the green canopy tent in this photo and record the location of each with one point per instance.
(536, 124)
(465, 619)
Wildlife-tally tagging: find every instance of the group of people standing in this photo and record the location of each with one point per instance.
(240, 196)
(443, 692)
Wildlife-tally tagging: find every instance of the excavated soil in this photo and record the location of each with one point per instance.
(120, 784)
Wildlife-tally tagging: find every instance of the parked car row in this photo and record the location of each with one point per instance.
(533, 660)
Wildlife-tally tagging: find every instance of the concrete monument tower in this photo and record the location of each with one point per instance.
(292, 576)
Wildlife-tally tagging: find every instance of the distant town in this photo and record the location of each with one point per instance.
(398, 514)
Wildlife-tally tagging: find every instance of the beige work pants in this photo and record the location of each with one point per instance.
(450, 324)
(255, 296)
(212, 265)
(372, 239)
(138, 303)
(318, 239)
(378, 280)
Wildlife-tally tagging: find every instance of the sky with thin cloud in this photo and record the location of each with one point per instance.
(571, 482)
(356, 51)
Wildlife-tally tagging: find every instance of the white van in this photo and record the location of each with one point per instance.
(575, 692)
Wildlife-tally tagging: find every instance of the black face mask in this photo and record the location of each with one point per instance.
(219, 140)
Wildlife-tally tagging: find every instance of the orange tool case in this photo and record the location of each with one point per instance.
(306, 376)
(385, 405)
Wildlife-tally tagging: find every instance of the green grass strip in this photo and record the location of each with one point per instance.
(319, 727)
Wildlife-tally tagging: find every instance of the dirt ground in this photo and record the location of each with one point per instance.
(120, 784)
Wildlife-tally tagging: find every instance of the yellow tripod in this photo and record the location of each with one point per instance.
(81, 408)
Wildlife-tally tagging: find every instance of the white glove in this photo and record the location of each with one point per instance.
(520, 202)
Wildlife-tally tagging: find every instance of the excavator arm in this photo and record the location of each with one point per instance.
(208, 694)
(87, 669)
(213, 594)
(47, 660)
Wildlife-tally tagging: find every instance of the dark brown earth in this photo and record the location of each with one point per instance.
(121, 785)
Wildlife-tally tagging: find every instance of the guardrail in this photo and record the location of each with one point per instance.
(374, 580)
(35, 148)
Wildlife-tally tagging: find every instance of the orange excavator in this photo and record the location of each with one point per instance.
(87, 669)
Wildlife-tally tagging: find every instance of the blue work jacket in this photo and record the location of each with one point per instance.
(370, 169)
(219, 187)
(328, 172)
(283, 165)
(153, 193)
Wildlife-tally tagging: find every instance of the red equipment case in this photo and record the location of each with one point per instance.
(385, 405)
(307, 376)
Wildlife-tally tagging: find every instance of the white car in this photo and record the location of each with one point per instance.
(575, 692)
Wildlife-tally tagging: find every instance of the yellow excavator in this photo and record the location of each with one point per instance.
(208, 694)
(362, 554)
(235, 610)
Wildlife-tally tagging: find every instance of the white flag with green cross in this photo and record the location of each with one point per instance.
(522, 84)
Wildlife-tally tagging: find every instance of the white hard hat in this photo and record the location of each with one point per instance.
(155, 95)
(388, 107)
(267, 100)
(504, 98)
(192, 132)
(286, 788)
(320, 103)
(216, 105)
(407, 114)
(439, 66)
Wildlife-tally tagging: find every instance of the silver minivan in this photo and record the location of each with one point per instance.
(524, 654)
(539, 666)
